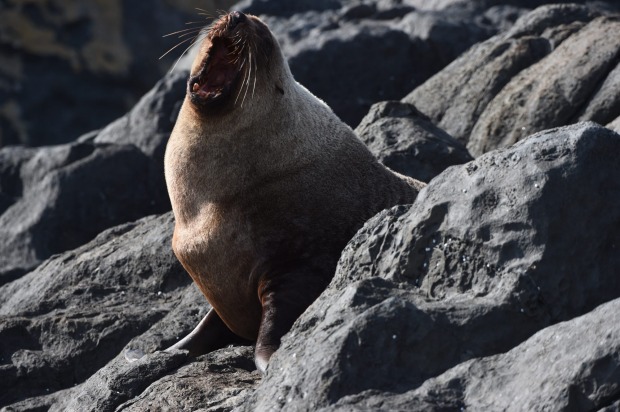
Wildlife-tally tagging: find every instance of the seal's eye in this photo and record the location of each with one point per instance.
(221, 70)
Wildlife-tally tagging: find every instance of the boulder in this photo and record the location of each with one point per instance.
(69, 67)
(221, 380)
(456, 301)
(615, 125)
(573, 365)
(374, 50)
(548, 70)
(481, 261)
(77, 311)
(542, 96)
(407, 142)
(57, 198)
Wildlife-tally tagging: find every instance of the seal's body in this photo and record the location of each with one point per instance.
(267, 186)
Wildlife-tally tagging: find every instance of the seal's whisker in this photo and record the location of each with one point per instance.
(247, 86)
(255, 74)
(177, 45)
(190, 33)
(238, 40)
(194, 32)
(244, 75)
(203, 12)
(196, 38)
(190, 29)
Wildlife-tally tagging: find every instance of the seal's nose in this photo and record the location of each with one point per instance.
(236, 17)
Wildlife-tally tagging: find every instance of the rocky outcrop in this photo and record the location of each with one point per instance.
(418, 292)
(615, 125)
(76, 312)
(554, 67)
(374, 50)
(57, 198)
(407, 142)
(221, 380)
(497, 289)
(569, 366)
(69, 67)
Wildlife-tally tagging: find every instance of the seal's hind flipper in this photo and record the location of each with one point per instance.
(210, 334)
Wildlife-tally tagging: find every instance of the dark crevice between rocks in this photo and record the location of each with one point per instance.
(611, 405)
(14, 274)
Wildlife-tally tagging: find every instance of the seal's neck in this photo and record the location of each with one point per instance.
(216, 162)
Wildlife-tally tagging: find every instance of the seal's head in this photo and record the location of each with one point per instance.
(238, 59)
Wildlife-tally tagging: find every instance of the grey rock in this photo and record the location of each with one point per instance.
(548, 70)
(428, 300)
(375, 50)
(456, 29)
(219, 381)
(149, 123)
(614, 407)
(407, 142)
(118, 381)
(63, 321)
(57, 198)
(615, 125)
(37, 403)
(287, 8)
(456, 97)
(419, 291)
(569, 366)
(368, 62)
(68, 68)
(433, 4)
(554, 18)
(542, 96)
(76, 199)
(605, 104)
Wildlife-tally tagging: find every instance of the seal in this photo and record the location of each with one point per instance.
(267, 186)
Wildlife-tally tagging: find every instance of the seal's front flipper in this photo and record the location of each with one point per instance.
(210, 334)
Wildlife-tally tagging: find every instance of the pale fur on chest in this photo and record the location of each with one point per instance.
(212, 168)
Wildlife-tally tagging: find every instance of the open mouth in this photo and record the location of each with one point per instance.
(219, 74)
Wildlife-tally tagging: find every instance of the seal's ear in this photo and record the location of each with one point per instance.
(280, 89)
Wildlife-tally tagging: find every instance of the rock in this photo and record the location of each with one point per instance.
(605, 104)
(118, 381)
(542, 96)
(615, 125)
(407, 142)
(149, 123)
(569, 366)
(429, 299)
(546, 71)
(456, 97)
(286, 8)
(455, 29)
(71, 67)
(80, 318)
(376, 50)
(77, 311)
(218, 381)
(221, 380)
(418, 291)
(57, 198)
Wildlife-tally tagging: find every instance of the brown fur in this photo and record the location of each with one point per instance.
(266, 192)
